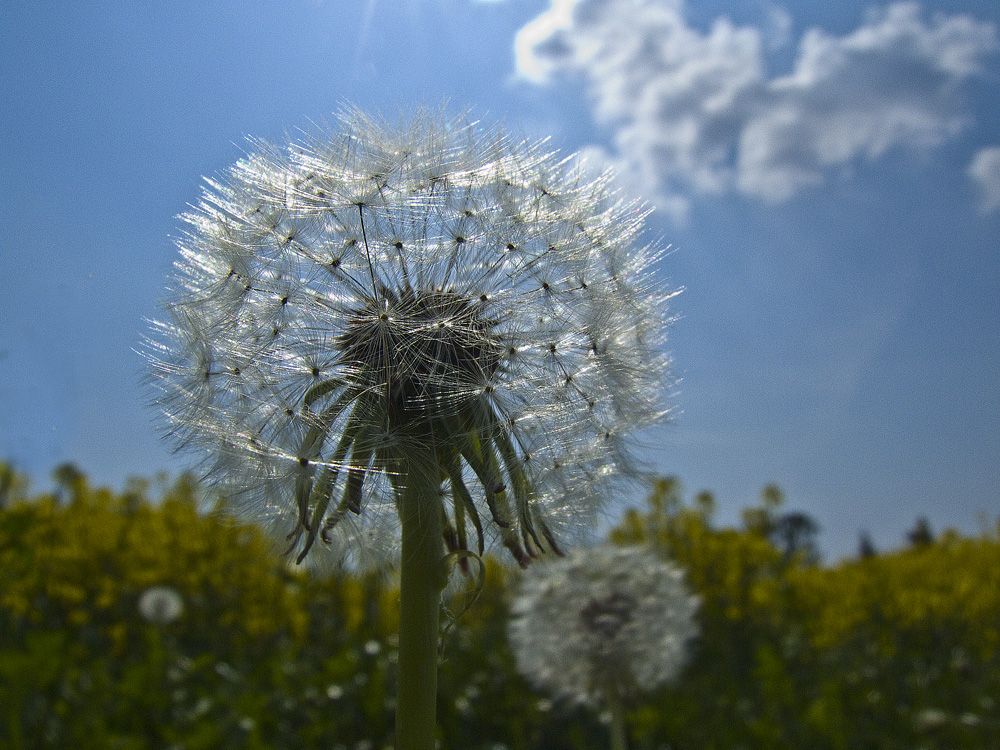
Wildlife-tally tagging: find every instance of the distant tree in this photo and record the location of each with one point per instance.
(772, 497)
(920, 535)
(704, 501)
(763, 518)
(794, 533)
(866, 549)
(70, 481)
(12, 484)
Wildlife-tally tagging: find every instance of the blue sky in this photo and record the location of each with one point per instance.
(828, 175)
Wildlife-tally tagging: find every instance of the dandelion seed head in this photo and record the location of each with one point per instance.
(602, 623)
(348, 298)
(160, 605)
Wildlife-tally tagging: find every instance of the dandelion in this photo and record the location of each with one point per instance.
(160, 605)
(601, 626)
(402, 343)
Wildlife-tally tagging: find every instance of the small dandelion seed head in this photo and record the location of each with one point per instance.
(160, 605)
(601, 623)
(425, 281)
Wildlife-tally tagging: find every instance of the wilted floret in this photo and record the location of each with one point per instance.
(602, 625)
(347, 299)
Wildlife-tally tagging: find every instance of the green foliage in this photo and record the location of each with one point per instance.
(900, 650)
(892, 651)
(262, 656)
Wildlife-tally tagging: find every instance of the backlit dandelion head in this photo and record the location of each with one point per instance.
(372, 292)
(602, 624)
(160, 605)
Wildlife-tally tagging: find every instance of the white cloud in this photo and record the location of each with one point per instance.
(633, 185)
(695, 112)
(985, 170)
(778, 27)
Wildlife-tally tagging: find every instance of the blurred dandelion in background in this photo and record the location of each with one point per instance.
(603, 625)
(161, 605)
(364, 294)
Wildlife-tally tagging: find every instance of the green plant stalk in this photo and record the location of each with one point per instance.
(423, 576)
(619, 738)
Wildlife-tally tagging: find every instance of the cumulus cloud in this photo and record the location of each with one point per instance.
(778, 27)
(985, 170)
(696, 112)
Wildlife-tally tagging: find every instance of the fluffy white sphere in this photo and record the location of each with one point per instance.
(346, 299)
(161, 605)
(602, 623)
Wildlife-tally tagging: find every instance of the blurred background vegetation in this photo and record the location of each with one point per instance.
(896, 649)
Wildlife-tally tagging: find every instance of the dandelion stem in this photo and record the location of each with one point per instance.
(423, 575)
(619, 738)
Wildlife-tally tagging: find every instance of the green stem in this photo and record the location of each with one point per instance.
(423, 576)
(619, 737)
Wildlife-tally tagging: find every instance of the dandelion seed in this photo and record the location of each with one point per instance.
(370, 294)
